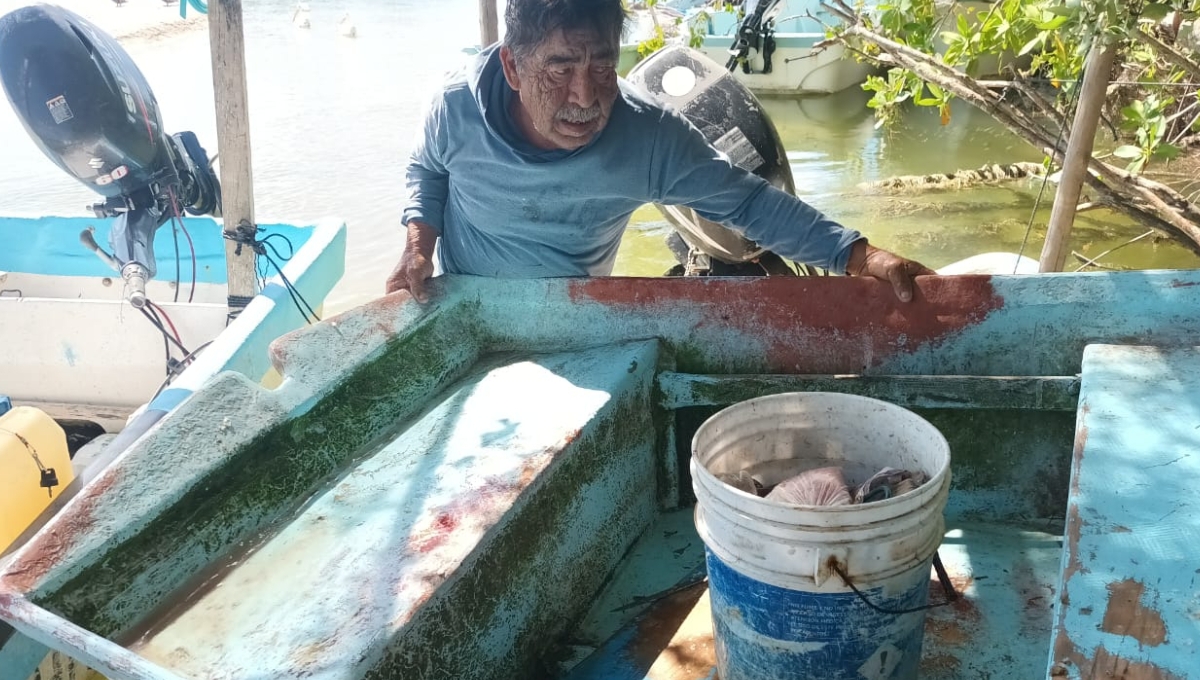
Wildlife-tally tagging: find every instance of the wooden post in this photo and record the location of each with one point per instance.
(228, 50)
(1097, 71)
(489, 24)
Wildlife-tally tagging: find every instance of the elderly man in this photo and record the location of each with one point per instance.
(532, 163)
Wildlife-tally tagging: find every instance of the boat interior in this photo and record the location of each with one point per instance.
(495, 484)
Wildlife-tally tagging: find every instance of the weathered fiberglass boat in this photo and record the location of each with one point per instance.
(100, 315)
(495, 484)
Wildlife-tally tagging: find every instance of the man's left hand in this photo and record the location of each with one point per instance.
(867, 260)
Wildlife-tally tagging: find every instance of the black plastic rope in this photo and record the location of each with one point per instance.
(246, 234)
(943, 577)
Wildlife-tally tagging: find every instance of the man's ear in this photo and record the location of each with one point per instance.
(509, 63)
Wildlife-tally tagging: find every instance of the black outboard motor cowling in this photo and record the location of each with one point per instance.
(82, 99)
(733, 121)
(91, 111)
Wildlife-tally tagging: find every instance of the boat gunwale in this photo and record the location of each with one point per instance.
(956, 324)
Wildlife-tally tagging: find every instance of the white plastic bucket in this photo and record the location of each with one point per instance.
(780, 609)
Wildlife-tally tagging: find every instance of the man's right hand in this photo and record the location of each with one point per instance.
(416, 264)
(867, 260)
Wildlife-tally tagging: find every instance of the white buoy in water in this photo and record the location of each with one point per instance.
(346, 27)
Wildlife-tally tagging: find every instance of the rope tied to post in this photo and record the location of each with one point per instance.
(246, 234)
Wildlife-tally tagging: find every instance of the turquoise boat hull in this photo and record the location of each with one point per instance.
(494, 484)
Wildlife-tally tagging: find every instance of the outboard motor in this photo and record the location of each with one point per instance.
(756, 32)
(90, 110)
(733, 121)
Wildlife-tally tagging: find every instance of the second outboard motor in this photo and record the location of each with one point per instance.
(757, 33)
(733, 121)
(91, 111)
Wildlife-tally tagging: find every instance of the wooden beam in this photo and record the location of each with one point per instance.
(489, 23)
(1050, 393)
(228, 50)
(689, 654)
(1092, 94)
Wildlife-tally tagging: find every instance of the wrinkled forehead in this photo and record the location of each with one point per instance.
(574, 46)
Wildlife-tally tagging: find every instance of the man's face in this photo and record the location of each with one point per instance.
(567, 87)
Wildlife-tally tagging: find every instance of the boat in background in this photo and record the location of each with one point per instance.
(780, 47)
(110, 322)
(101, 314)
(795, 66)
(79, 352)
(777, 47)
(998, 263)
(77, 349)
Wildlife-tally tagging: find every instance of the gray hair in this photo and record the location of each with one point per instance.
(528, 22)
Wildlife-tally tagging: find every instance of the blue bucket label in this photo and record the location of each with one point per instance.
(764, 632)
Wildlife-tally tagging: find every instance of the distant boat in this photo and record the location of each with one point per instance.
(782, 48)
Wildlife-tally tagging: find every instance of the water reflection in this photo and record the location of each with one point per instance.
(834, 146)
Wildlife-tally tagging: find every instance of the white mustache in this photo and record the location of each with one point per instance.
(578, 115)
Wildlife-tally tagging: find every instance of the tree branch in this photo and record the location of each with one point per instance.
(957, 179)
(1045, 106)
(932, 70)
(1093, 261)
(1170, 54)
(1145, 200)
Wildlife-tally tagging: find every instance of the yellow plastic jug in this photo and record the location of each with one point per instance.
(58, 666)
(31, 445)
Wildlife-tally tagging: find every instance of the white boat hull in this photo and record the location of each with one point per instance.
(803, 61)
(1000, 264)
(796, 69)
(74, 347)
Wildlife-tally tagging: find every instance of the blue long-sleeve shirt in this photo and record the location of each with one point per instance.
(503, 207)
